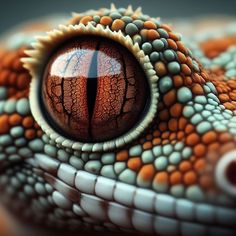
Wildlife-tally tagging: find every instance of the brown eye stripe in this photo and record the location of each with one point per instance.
(94, 89)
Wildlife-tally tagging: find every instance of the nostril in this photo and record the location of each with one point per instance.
(225, 173)
(231, 172)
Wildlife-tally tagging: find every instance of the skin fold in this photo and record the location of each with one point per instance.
(150, 150)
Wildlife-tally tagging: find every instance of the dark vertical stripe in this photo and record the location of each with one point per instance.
(92, 86)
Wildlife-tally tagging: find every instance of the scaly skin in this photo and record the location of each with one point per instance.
(176, 177)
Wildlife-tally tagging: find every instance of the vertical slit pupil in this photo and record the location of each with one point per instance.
(92, 84)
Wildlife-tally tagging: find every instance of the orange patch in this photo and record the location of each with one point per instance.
(134, 163)
(212, 48)
(147, 172)
(122, 155)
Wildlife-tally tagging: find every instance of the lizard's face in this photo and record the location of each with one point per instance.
(121, 128)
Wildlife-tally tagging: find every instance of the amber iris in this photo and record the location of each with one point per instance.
(93, 89)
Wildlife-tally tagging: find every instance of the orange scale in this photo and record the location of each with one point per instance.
(149, 25)
(165, 134)
(209, 137)
(178, 81)
(173, 124)
(175, 178)
(180, 135)
(161, 178)
(182, 123)
(118, 25)
(197, 89)
(134, 163)
(152, 34)
(172, 136)
(185, 166)
(192, 139)
(213, 146)
(188, 81)
(143, 33)
(15, 119)
(163, 126)
(172, 44)
(4, 75)
(189, 62)
(190, 178)
(181, 47)
(147, 173)
(189, 128)
(232, 95)
(147, 145)
(182, 58)
(160, 68)
(199, 150)
(86, 19)
(170, 97)
(30, 133)
(231, 84)
(4, 124)
(106, 20)
(185, 69)
(122, 155)
(176, 110)
(28, 122)
(199, 164)
(173, 36)
(156, 141)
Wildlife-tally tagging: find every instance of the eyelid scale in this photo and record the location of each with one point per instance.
(160, 179)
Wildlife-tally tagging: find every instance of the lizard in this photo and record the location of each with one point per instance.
(112, 121)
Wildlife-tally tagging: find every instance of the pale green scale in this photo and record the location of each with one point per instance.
(184, 95)
(119, 167)
(50, 150)
(135, 150)
(17, 131)
(161, 163)
(10, 106)
(197, 118)
(165, 84)
(175, 158)
(22, 106)
(3, 93)
(147, 156)
(108, 158)
(5, 140)
(93, 166)
(36, 145)
(128, 176)
(203, 127)
(108, 171)
(76, 162)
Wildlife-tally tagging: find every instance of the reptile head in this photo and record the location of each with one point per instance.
(127, 127)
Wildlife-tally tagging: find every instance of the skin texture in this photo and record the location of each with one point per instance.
(175, 176)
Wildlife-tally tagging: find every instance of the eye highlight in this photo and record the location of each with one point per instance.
(93, 89)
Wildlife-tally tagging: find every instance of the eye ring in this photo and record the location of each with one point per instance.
(35, 63)
(223, 173)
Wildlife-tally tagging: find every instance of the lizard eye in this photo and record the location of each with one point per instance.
(93, 89)
(226, 173)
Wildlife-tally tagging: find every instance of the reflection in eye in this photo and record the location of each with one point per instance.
(93, 89)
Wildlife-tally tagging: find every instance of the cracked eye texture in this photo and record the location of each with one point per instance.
(93, 89)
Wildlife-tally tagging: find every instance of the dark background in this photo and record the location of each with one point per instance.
(17, 11)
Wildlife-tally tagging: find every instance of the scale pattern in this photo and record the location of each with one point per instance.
(164, 181)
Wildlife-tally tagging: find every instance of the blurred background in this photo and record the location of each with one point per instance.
(13, 11)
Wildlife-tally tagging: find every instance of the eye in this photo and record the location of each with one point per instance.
(93, 89)
(225, 173)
